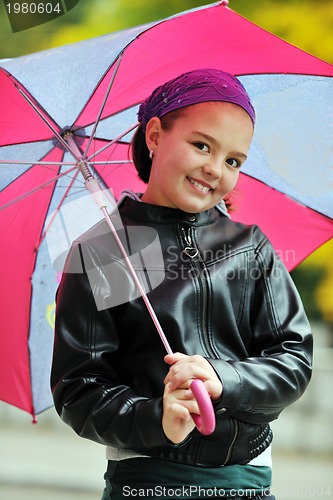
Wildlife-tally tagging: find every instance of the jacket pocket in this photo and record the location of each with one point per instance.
(251, 441)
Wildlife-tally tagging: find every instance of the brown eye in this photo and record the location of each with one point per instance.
(202, 146)
(233, 162)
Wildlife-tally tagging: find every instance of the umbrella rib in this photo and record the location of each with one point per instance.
(112, 142)
(58, 136)
(14, 162)
(103, 104)
(112, 162)
(41, 186)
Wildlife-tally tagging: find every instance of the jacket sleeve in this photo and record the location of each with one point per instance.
(87, 393)
(256, 389)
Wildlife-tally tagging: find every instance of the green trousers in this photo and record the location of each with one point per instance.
(157, 479)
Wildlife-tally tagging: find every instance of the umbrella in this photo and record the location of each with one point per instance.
(75, 106)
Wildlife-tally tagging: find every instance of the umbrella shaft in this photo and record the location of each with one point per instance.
(137, 282)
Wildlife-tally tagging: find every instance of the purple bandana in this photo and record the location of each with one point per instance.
(201, 85)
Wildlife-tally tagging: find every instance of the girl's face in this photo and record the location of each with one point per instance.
(196, 162)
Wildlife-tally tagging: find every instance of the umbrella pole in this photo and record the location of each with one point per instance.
(205, 422)
(95, 190)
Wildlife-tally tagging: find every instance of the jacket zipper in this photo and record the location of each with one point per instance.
(193, 253)
(232, 442)
(190, 250)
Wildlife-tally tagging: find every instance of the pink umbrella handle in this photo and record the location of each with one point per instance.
(205, 422)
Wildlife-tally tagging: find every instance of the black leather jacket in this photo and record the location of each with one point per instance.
(220, 291)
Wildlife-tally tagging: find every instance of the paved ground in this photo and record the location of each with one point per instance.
(39, 462)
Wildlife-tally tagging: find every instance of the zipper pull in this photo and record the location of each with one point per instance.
(190, 250)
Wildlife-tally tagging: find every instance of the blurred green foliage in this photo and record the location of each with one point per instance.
(307, 24)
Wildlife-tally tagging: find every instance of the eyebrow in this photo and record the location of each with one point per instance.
(214, 141)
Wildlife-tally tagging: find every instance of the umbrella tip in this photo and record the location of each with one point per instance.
(225, 3)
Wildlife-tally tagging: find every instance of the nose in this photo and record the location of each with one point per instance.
(213, 169)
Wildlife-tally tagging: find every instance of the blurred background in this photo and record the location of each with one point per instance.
(48, 461)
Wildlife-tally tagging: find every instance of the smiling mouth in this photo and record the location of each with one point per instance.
(198, 185)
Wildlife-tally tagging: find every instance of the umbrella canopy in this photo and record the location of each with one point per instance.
(80, 101)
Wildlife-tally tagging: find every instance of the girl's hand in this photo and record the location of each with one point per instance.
(178, 400)
(186, 368)
(178, 405)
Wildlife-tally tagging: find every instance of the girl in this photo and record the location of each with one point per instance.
(228, 306)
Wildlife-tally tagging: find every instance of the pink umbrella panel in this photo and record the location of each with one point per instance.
(284, 187)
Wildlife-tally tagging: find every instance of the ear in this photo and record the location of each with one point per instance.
(153, 132)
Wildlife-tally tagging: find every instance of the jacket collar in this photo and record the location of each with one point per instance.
(131, 206)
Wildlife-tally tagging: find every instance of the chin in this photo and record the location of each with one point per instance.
(195, 207)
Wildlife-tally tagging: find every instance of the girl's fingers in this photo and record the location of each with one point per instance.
(183, 409)
(188, 368)
(184, 369)
(170, 359)
(179, 400)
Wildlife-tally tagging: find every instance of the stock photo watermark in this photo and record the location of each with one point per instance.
(109, 277)
(166, 492)
(159, 491)
(183, 492)
(23, 15)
